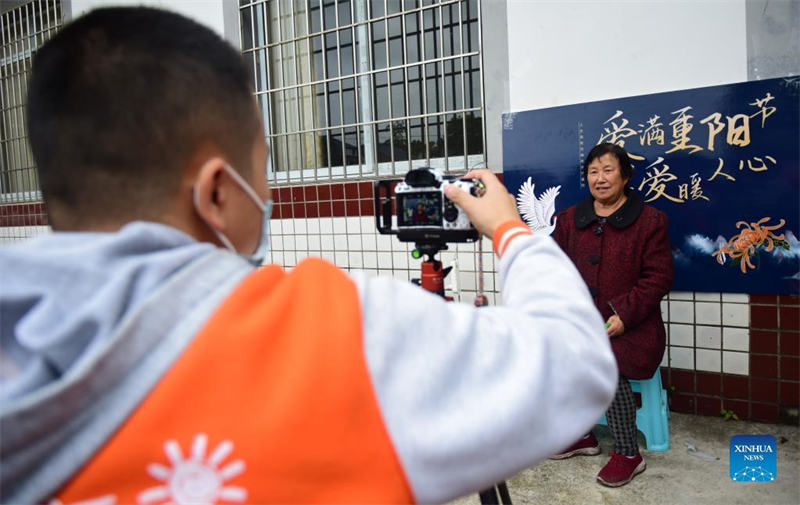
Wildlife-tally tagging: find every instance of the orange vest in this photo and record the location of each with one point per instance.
(272, 402)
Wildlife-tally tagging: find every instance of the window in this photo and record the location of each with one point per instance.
(355, 88)
(23, 29)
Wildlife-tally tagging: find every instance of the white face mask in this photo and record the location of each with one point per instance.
(260, 253)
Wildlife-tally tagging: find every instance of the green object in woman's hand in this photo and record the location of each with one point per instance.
(608, 324)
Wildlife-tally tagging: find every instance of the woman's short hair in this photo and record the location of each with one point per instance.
(618, 152)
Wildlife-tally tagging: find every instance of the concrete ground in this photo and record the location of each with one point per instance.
(677, 476)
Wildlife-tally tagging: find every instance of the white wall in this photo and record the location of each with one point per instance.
(219, 15)
(565, 52)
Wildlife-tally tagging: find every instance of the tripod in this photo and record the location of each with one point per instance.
(432, 279)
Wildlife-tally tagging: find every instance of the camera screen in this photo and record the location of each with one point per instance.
(420, 209)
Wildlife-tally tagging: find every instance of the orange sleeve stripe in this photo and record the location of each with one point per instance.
(506, 232)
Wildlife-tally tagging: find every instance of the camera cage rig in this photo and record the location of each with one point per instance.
(428, 238)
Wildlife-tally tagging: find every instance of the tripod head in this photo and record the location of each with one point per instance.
(432, 277)
(429, 249)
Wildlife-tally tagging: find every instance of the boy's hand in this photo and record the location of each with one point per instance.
(494, 208)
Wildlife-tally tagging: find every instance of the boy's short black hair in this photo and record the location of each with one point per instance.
(625, 167)
(119, 102)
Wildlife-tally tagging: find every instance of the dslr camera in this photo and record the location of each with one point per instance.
(424, 214)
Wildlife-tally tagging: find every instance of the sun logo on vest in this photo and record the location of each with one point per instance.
(195, 479)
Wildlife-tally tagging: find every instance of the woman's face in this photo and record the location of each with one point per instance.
(605, 179)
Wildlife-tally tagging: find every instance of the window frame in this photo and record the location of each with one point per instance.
(466, 64)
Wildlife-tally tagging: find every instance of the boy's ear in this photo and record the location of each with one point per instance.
(209, 192)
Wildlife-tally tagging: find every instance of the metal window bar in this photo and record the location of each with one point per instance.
(311, 87)
(298, 89)
(341, 84)
(3, 102)
(388, 85)
(22, 30)
(365, 98)
(463, 85)
(480, 80)
(443, 86)
(356, 92)
(324, 58)
(423, 71)
(24, 42)
(16, 98)
(370, 79)
(407, 122)
(283, 94)
(272, 78)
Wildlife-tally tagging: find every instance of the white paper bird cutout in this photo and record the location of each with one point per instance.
(538, 212)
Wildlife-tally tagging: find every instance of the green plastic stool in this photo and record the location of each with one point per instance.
(652, 416)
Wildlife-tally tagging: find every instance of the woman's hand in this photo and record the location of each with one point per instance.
(614, 326)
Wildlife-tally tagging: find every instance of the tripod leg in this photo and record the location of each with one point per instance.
(504, 496)
(489, 497)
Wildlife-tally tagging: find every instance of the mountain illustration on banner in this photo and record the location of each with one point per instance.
(538, 212)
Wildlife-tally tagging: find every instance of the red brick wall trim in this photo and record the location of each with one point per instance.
(337, 199)
(23, 214)
(774, 392)
(334, 199)
(766, 399)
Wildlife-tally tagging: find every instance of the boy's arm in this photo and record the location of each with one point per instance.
(471, 396)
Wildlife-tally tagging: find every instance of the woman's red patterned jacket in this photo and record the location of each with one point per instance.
(626, 263)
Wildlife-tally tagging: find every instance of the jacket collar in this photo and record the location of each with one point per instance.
(620, 219)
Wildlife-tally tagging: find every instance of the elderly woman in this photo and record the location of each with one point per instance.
(621, 248)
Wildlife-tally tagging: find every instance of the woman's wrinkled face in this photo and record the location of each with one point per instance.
(605, 179)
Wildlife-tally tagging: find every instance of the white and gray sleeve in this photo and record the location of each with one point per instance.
(472, 396)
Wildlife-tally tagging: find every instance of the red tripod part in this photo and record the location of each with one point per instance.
(433, 277)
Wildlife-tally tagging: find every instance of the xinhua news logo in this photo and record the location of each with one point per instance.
(754, 458)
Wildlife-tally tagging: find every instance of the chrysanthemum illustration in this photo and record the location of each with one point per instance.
(195, 480)
(754, 236)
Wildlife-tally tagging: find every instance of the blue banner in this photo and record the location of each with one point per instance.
(723, 162)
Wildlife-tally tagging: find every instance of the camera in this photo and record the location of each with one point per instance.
(424, 214)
